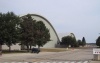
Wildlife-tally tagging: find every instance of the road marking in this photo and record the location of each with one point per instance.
(80, 61)
(51, 62)
(86, 62)
(72, 62)
(66, 62)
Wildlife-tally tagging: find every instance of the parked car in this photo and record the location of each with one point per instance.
(35, 50)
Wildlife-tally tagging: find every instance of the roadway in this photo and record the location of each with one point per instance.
(76, 55)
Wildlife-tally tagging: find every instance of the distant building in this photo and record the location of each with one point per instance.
(54, 37)
(61, 45)
(91, 45)
(65, 34)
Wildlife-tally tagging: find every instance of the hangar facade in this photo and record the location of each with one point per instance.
(53, 34)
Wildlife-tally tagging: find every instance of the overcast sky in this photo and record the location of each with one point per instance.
(81, 17)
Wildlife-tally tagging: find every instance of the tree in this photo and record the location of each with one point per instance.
(98, 41)
(33, 32)
(83, 41)
(79, 42)
(66, 40)
(9, 28)
(73, 43)
(69, 40)
(28, 31)
(42, 34)
(1, 29)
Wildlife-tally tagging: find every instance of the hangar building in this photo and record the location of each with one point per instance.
(53, 34)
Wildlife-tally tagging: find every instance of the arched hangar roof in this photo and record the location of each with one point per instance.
(48, 23)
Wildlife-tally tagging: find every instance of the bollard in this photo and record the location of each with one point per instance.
(66, 48)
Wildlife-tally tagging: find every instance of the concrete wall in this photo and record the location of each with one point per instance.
(13, 47)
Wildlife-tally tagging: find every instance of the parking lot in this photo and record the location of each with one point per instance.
(76, 55)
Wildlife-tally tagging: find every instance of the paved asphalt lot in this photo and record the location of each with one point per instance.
(72, 56)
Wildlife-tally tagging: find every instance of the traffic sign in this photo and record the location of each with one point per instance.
(96, 51)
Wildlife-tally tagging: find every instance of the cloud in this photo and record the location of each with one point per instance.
(81, 17)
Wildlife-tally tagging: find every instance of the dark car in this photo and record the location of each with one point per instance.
(35, 50)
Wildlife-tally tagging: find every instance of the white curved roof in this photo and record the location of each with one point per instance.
(54, 36)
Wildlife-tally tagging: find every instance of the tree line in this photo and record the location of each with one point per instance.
(23, 30)
(98, 41)
(72, 42)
